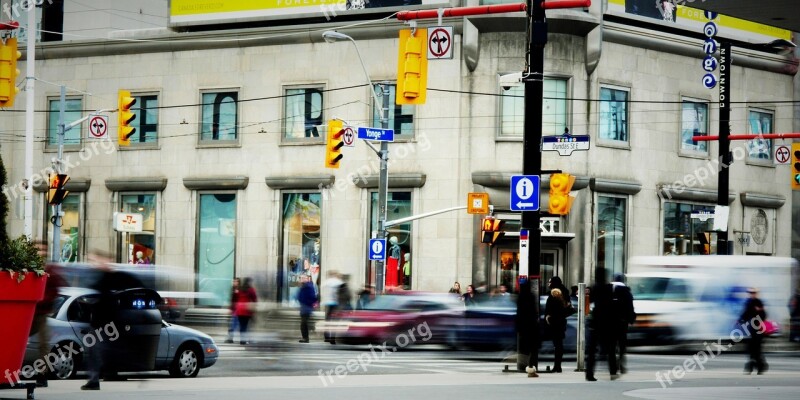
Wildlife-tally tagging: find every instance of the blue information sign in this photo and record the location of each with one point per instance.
(377, 249)
(377, 134)
(525, 193)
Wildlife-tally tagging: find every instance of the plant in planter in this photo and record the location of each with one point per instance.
(22, 281)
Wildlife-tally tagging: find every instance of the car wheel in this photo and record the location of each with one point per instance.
(66, 364)
(186, 363)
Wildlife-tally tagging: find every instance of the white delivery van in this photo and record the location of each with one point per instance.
(680, 299)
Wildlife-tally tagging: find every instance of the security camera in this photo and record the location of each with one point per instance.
(508, 81)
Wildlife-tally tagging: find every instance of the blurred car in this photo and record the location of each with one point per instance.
(390, 316)
(181, 351)
(172, 283)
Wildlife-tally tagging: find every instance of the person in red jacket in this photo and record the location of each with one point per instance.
(245, 303)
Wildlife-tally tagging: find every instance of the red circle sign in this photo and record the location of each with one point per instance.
(782, 154)
(439, 42)
(98, 126)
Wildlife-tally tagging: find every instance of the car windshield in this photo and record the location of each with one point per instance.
(659, 288)
(385, 302)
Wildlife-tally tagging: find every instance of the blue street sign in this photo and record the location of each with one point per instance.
(378, 134)
(377, 249)
(525, 193)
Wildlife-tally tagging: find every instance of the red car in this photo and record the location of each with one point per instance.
(400, 319)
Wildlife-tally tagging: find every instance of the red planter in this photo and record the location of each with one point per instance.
(17, 305)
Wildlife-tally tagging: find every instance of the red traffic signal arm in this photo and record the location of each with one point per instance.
(705, 138)
(493, 9)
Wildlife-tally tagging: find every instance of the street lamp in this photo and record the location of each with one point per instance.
(383, 178)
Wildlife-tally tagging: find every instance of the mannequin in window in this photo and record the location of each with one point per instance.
(407, 271)
(393, 263)
(312, 266)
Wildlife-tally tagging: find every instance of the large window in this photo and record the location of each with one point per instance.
(687, 229)
(760, 122)
(69, 225)
(614, 114)
(398, 272)
(140, 247)
(219, 119)
(302, 113)
(216, 246)
(611, 233)
(301, 242)
(554, 109)
(401, 116)
(73, 110)
(146, 122)
(694, 122)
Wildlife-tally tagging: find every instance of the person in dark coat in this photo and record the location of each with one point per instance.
(600, 325)
(307, 297)
(625, 316)
(527, 326)
(754, 316)
(556, 314)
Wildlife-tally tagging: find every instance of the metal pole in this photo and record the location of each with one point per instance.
(383, 187)
(581, 327)
(724, 140)
(30, 61)
(57, 221)
(531, 144)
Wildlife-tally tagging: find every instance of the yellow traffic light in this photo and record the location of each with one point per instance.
(560, 199)
(795, 166)
(56, 192)
(491, 230)
(125, 117)
(412, 67)
(8, 72)
(333, 148)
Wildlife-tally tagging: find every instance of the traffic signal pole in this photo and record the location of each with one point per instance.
(56, 218)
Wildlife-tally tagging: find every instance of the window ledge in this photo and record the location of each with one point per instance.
(207, 145)
(614, 144)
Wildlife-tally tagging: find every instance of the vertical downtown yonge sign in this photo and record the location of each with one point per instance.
(710, 63)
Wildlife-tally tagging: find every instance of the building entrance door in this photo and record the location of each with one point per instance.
(506, 266)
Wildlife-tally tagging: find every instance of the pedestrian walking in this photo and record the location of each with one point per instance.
(330, 295)
(233, 325)
(754, 317)
(307, 297)
(557, 309)
(469, 297)
(456, 289)
(244, 308)
(625, 316)
(600, 323)
(527, 327)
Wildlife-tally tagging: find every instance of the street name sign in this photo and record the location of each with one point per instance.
(565, 144)
(377, 134)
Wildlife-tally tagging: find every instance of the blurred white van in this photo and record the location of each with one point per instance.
(682, 299)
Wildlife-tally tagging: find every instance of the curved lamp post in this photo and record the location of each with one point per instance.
(383, 182)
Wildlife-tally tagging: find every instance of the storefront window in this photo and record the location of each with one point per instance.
(686, 231)
(611, 230)
(398, 241)
(140, 247)
(216, 247)
(70, 226)
(301, 242)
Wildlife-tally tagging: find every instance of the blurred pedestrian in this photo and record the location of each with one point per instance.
(365, 296)
(233, 325)
(456, 289)
(794, 315)
(307, 297)
(469, 296)
(754, 318)
(556, 312)
(625, 316)
(344, 298)
(330, 295)
(103, 313)
(527, 326)
(244, 308)
(600, 323)
(44, 310)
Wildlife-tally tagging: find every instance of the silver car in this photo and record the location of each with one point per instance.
(182, 351)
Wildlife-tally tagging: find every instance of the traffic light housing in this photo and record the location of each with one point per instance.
(560, 199)
(125, 117)
(8, 72)
(795, 166)
(56, 192)
(412, 67)
(333, 147)
(491, 230)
